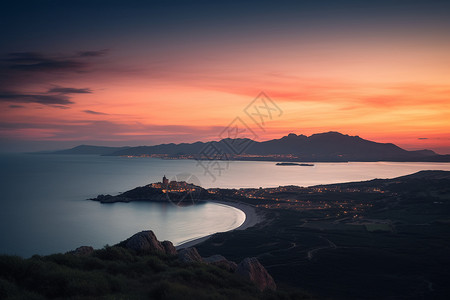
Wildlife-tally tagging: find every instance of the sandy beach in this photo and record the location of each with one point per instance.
(251, 219)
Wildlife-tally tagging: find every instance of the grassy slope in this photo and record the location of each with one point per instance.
(118, 273)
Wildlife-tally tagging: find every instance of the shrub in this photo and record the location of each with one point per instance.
(114, 253)
(156, 264)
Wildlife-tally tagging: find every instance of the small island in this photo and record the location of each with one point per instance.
(294, 164)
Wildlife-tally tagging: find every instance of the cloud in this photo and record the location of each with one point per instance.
(49, 66)
(55, 97)
(66, 90)
(36, 98)
(48, 63)
(61, 106)
(105, 130)
(26, 76)
(94, 112)
(34, 61)
(16, 106)
(422, 138)
(93, 53)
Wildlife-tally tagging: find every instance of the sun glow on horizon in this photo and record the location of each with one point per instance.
(329, 70)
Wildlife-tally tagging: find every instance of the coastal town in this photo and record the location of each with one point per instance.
(344, 202)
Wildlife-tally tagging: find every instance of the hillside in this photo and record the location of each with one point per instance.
(377, 239)
(91, 150)
(329, 146)
(134, 269)
(322, 147)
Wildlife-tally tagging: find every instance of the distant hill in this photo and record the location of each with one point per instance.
(88, 149)
(321, 147)
(425, 175)
(334, 146)
(329, 146)
(416, 180)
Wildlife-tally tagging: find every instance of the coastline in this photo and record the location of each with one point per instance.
(251, 219)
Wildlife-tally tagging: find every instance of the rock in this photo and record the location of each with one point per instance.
(145, 241)
(220, 261)
(169, 248)
(251, 269)
(82, 251)
(189, 255)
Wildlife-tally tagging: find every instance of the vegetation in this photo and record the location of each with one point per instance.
(119, 273)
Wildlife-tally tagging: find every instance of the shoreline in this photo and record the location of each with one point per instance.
(251, 219)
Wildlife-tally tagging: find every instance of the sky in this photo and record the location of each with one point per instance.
(148, 72)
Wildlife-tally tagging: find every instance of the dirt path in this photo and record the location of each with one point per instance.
(331, 245)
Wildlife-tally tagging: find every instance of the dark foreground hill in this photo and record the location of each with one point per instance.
(138, 268)
(378, 239)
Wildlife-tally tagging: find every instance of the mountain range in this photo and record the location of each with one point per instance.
(88, 149)
(321, 147)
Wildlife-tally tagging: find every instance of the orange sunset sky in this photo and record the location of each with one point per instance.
(159, 72)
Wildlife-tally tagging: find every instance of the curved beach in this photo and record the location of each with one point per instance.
(251, 219)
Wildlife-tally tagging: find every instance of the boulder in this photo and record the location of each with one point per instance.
(169, 248)
(145, 241)
(82, 251)
(251, 269)
(189, 255)
(220, 261)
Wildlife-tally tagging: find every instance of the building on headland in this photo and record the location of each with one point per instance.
(165, 182)
(174, 186)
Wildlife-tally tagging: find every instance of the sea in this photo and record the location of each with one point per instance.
(44, 207)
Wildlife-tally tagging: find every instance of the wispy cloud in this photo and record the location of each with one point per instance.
(93, 53)
(25, 77)
(66, 90)
(106, 130)
(36, 98)
(55, 97)
(33, 61)
(31, 73)
(92, 112)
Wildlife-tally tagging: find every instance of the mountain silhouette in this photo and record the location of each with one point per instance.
(89, 149)
(328, 146)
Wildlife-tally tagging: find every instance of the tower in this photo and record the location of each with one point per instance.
(165, 182)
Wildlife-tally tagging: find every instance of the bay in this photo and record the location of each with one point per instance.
(44, 208)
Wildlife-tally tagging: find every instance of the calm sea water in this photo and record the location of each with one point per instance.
(43, 208)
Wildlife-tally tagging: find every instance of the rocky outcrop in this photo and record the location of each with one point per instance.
(146, 241)
(251, 269)
(169, 248)
(189, 255)
(220, 261)
(82, 251)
